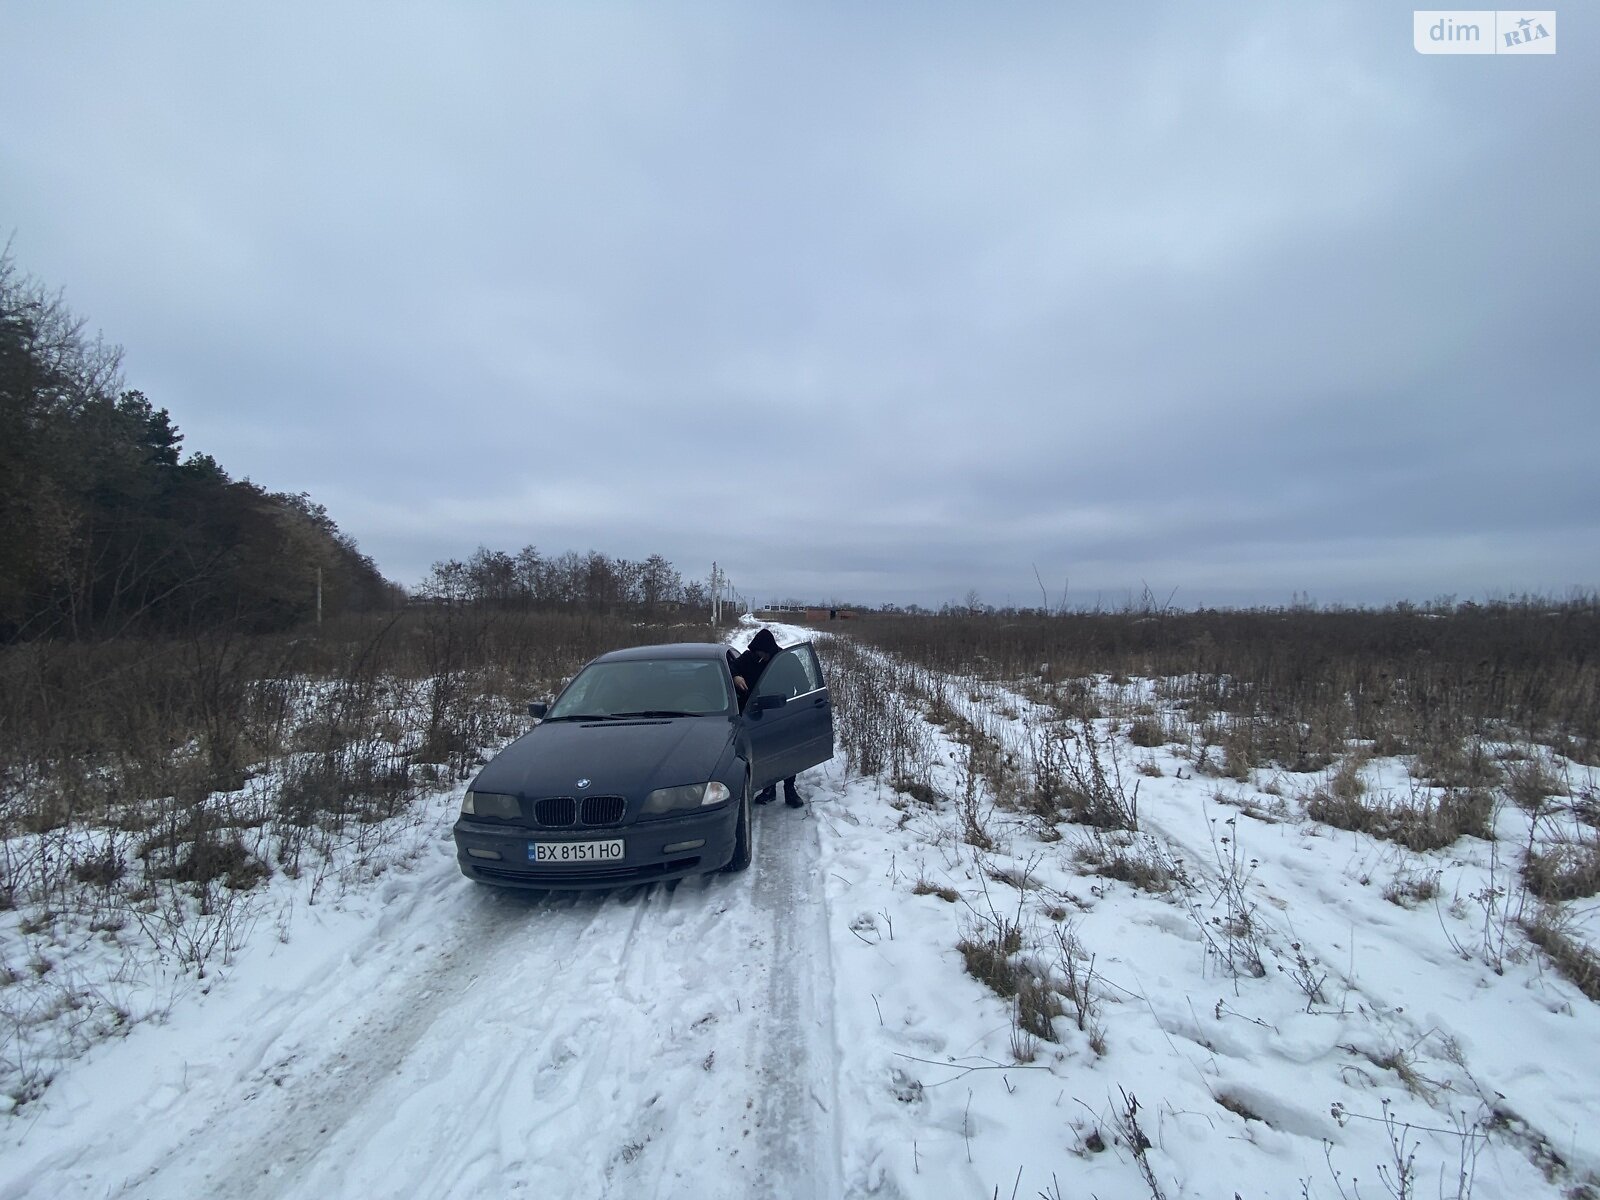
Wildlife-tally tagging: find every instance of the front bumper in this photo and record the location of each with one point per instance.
(653, 851)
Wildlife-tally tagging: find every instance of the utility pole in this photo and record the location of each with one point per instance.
(716, 594)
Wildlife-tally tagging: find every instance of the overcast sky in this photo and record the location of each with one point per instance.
(881, 302)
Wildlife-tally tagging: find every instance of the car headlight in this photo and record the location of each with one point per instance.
(490, 804)
(690, 795)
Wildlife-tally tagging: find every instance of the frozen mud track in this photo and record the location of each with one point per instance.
(658, 1041)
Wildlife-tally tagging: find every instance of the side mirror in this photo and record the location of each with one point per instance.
(538, 710)
(765, 702)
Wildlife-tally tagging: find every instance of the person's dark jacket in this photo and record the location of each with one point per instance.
(749, 664)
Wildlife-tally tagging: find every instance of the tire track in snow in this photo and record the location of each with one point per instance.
(798, 1074)
(263, 1145)
(662, 1040)
(519, 1091)
(650, 1041)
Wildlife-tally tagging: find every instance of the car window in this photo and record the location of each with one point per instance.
(689, 686)
(787, 676)
(808, 662)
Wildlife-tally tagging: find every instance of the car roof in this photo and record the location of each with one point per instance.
(677, 650)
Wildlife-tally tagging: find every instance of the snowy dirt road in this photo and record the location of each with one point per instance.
(815, 1026)
(658, 1041)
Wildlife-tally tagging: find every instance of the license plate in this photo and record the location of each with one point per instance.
(575, 852)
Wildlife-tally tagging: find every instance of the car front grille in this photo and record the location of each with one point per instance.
(556, 811)
(603, 810)
(563, 812)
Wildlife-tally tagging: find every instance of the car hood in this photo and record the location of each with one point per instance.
(619, 758)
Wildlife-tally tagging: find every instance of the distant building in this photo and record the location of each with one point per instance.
(809, 613)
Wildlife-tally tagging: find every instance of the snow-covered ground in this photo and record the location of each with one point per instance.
(809, 1028)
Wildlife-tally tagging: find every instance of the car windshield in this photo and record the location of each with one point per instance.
(645, 687)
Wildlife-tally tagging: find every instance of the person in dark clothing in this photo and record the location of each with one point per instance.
(747, 668)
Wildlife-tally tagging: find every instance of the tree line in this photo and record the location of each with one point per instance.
(532, 580)
(107, 529)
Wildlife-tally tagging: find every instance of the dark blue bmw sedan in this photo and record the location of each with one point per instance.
(643, 769)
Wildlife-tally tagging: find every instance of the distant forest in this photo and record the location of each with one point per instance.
(105, 529)
(529, 579)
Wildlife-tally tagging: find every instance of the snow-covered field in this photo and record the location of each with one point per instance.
(810, 1028)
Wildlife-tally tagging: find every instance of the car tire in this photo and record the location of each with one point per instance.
(743, 843)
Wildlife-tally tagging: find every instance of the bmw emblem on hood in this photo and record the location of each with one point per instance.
(582, 783)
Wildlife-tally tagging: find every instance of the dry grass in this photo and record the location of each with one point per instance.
(1421, 822)
(1447, 763)
(1530, 782)
(1038, 1005)
(1147, 732)
(1306, 683)
(1563, 870)
(1237, 1106)
(988, 951)
(1346, 782)
(194, 764)
(1409, 889)
(922, 793)
(1571, 957)
(1137, 861)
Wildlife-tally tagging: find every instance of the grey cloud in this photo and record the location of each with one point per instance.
(884, 302)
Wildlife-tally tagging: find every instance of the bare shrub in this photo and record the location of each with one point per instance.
(1147, 732)
(1076, 967)
(1049, 746)
(195, 934)
(1586, 805)
(1298, 742)
(1447, 763)
(972, 808)
(1408, 889)
(870, 696)
(1421, 822)
(1076, 700)
(1307, 974)
(1309, 680)
(102, 867)
(1530, 782)
(1346, 783)
(1141, 862)
(1550, 930)
(1231, 933)
(987, 949)
(1567, 870)
(1033, 1016)
(1240, 752)
(1125, 1119)
(215, 856)
(922, 793)
(1092, 791)
(990, 943)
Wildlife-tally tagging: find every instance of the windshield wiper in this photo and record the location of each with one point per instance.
(585, 717)
(659, 712)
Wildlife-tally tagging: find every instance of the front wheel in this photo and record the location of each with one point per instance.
(742, 844)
